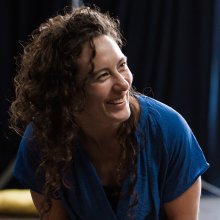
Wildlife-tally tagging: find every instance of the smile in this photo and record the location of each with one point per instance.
(117, 101)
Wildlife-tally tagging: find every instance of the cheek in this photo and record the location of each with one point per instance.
(96, 93)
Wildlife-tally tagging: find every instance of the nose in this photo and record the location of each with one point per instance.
(121, 83)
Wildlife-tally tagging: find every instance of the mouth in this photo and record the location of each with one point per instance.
(117, 101)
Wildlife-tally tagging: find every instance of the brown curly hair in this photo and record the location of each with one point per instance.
(48, 93)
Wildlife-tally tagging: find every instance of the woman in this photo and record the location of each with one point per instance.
(92, 147)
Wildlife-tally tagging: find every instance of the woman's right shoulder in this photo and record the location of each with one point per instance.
(28, 143)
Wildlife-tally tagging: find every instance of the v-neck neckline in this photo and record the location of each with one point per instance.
(93, 185)
(122, 202)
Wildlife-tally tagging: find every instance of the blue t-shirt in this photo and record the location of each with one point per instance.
(169, 162)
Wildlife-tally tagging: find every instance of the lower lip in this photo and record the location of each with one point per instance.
(118, 106)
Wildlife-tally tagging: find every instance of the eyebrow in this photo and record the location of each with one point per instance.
(124, 58)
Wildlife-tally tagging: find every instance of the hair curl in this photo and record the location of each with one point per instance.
(48, 93)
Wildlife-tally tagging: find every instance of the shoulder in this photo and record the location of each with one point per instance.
(28, 142)
(27, 160)
(160, 114)
(171, 148)
(163, 124)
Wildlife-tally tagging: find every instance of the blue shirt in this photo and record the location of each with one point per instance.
(169, 162)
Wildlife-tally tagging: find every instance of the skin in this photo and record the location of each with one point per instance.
(57, 211)
(185, 207)
(107, 103)
(107, 106)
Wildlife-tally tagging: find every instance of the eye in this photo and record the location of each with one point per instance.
(123, 66)
(102, 76)
(124, 63)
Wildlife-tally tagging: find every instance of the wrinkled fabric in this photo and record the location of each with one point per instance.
(169, 162)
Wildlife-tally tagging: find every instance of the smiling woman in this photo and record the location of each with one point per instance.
(92, 147)
(107, 103)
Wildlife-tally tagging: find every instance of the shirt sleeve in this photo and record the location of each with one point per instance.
(185, 160)
(27, 163)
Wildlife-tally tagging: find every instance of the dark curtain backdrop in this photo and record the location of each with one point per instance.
(18, 18)
(170, 51)
(214, 100)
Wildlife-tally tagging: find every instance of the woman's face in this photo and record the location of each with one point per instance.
(108, 85)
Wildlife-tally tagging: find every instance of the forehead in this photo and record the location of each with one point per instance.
(107, 52)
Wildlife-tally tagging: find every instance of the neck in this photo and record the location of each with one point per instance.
(98, 131)
(105, 155)
(101, 139)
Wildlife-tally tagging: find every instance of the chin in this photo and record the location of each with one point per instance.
(124, 117)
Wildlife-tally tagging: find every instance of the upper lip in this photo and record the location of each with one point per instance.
(117, 100)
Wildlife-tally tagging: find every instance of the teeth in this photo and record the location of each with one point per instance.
(116, 101)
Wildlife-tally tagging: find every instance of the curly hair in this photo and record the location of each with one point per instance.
(48, 93)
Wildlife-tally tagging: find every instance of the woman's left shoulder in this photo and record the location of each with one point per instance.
(161, 114)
